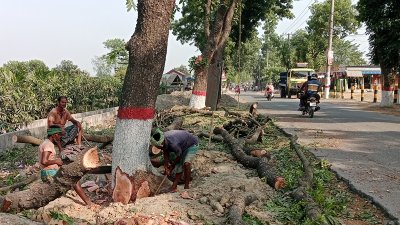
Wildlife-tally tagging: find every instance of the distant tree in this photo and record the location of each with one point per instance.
(208, 25)
(347, 53)
(117, 55)
(101, 67)
(345, 23)
(382, 19)
(67, 67)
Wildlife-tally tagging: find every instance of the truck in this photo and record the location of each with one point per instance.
(291, 81)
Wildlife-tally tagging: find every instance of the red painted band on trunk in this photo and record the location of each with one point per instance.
(130, 113)
(200, 93)
(387, 88)
(327, 86)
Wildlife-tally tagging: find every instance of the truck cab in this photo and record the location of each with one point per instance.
(291, 81)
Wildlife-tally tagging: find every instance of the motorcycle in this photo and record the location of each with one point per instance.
(311, 106)
(269, 96)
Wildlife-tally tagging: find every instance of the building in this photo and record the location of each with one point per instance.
(175, 80)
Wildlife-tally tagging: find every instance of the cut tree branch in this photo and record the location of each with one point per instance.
(264, 168)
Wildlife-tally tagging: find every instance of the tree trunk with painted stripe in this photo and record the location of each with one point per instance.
(216, 38)
(387, 90)
(132, 171)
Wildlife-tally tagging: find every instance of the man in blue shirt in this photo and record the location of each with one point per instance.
(179, 148)
(311, 88)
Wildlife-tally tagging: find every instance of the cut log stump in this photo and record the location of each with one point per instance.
(39, 194)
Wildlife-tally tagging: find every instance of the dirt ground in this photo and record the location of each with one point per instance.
(217, 181)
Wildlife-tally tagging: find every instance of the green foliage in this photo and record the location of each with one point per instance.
(196, 62)
(11, 158)
(31, 94)
(61, 216)
(382, 19)
(130, 4)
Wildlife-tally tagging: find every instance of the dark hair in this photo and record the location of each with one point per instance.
(61, 97)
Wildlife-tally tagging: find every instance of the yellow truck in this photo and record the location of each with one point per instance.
(290, 82)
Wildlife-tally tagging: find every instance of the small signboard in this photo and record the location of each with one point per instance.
(330, 58)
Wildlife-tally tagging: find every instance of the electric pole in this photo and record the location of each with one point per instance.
(329, 53)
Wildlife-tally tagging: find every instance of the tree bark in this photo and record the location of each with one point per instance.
(214, 79)
(99, 138)
(237, 209)
(147, 51)
(40, 194)
(264, 168)
(216, 38)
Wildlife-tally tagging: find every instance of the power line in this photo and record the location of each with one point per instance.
(302, 14)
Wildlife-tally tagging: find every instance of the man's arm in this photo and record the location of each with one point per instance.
(46, 162)
(74, 121)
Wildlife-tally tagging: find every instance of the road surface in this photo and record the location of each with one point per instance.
(363, 147)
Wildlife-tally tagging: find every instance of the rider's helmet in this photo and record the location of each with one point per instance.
(314, 76)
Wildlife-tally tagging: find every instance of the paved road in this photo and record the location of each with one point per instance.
(363, 147)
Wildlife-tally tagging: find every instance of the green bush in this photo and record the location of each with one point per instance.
(24, 98)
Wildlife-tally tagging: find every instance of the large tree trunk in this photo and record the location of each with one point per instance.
(387, 89)
(147, 51)
(216, 37)
(39, 194)
(214, 79)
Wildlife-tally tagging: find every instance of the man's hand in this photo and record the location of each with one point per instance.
(168, 169)
(63, 130)
(59, 161)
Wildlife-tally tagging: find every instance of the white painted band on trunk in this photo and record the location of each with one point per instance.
(130, 146)
(197, 101)
(387, 98)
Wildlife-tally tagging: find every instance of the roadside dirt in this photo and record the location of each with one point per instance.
(217, 180)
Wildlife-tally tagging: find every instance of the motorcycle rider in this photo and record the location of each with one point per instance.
(269, 90)
(311, 88)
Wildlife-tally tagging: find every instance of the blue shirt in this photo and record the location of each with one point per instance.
(178, 141)
(313, 87)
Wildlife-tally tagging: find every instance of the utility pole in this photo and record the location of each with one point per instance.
(289, 60)
(329, 53)
(239, 50)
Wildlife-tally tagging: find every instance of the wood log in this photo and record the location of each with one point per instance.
(264, 168)
(40, 194)
(99, 138)
(26, 139)
(305, 183)
(257, 136)
(175, 125)
(20, 184)
(229, 113)
(237, 209)
(213, 137)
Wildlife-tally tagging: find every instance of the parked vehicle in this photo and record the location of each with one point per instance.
(291, 81)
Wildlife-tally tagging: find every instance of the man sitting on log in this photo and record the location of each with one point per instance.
(59, 116)
(179, 148)
(50, 163)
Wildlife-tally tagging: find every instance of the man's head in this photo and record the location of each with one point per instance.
(157, 138)
(314, 76)
(62, 101)
(54, 133)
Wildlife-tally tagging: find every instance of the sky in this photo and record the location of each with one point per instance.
(74, 30)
